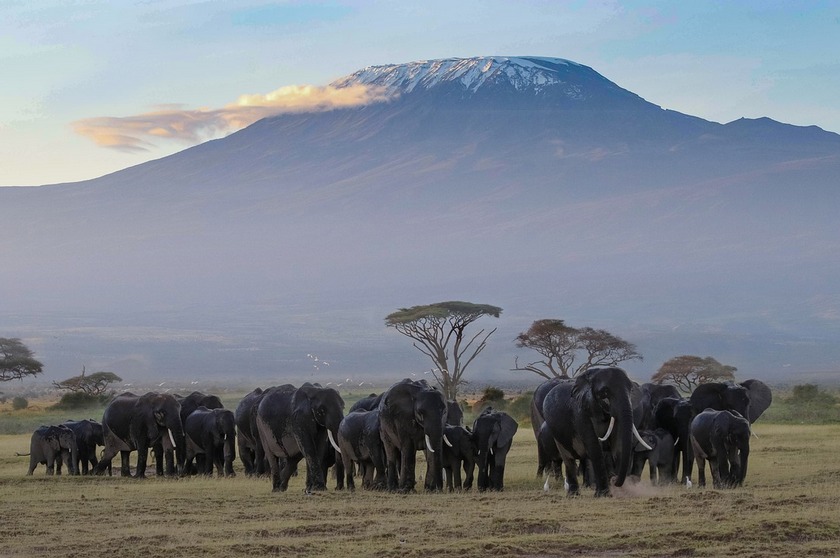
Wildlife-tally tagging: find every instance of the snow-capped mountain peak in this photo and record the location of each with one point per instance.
(471, 74)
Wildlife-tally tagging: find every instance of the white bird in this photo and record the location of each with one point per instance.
(161, 384)
(325, 363)
(361, 384)
(566, 484)
(687, 482)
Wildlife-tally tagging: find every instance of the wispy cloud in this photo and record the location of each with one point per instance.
(172, 122)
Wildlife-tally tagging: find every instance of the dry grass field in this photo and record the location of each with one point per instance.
(789, 506)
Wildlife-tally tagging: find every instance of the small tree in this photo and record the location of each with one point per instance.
(567, 351)
(439, 333)
(17, 361)
(688, 371)
(94, 385)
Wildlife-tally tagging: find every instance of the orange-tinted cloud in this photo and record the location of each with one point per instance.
(138, 133)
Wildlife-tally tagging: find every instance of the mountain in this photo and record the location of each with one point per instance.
(534, 184)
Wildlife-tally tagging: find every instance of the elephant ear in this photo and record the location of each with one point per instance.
(582, 382)
(507, 427)
(760, 398)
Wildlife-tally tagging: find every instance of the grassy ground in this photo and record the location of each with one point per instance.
(789, 506)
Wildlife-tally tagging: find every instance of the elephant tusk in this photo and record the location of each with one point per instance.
(752, 433)
(609, 430)
(639, 438)
(445, 439)
(172, 438)
(332, 440)
(677, 441)
(429, 444)
(491, 451)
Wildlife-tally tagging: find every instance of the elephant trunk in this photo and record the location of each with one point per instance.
(433, 441)
(623, 450)
(175, 432)
(73, 466)
(744, 458)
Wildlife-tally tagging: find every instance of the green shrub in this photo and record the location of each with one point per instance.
(79, 400)
(19, 403)
(520, 408)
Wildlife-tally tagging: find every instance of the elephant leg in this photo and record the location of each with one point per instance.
(457, 482)
(392, 458)
(701, 471)
(245, 455)
(142, 460)
(469, 472)
(498, 479)
(33, 462)
(571, 476)
(408, 461)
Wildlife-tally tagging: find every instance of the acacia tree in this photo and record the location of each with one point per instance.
(567, 351)
(94, 385)
(439, 330)
(689, 371)
(17, 361)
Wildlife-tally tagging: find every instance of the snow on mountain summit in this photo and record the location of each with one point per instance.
(523, 73)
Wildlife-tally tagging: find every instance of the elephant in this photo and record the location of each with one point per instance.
(368, 403)
(52, 445)
(251, 452)
(660, 459)
(163, 451)
(459, 450)
(212, 433)
(722, 438)
(588, 414)
(133, 422)
(88, 435)
(493, 433)
(749, 398)
(547, 454)
(299, 423)
(675, 414)
(361, 444)
(645, 398)
(454, 413)
(412, 415)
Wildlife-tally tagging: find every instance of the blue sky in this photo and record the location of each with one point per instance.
(67, 63)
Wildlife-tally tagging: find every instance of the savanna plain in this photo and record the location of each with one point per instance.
(789, 506)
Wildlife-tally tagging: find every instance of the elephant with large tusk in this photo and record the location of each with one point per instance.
(412, 416)
(579, 415)
(301, 423)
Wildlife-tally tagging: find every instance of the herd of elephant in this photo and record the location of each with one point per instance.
(611, 427)
(600, 423)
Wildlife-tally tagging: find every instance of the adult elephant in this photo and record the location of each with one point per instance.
(88, 434)
(493, 433)
(412, 415)
(584, 416)
(361, 449)
(163, 450)
(645, 398)
(749, 398)
(547, 456)
(454, 413)
(459, 452)
(722, 438)
(53, 445)
(299, 423)
(136, 423)
(211, 433)
(251, 452)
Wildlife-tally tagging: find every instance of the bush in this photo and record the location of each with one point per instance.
(520, 408)
(811, 394)
(490, 397)
(79, 400)
(19, 403)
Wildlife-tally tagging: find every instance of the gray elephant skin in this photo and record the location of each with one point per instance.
(749, 398)
(89, 435)
(190, 403)
(459, 452)
(362, 449)
(723, 439)
(493, 432)
(659, 459)
(579, 416)
(136, 423)
(52, 446)
(211, 433)
(251, 452)
(412, 415)
(300, 423)
(675, 414)
(645, 397)
(548, 458)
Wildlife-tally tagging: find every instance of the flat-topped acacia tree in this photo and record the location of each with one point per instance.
(438, 331)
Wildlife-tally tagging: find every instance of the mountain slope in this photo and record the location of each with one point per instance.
(530, 183)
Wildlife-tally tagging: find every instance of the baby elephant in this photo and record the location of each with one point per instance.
(722, 438)
(53, 445)
(458, 451)
(659, 459)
